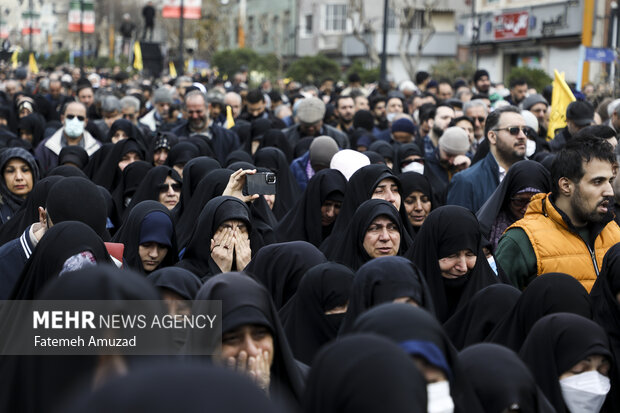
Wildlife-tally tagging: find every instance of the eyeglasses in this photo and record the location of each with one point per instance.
(520, 202)
(480, 119)
(514, 130)
(80, 117)
(163, 188)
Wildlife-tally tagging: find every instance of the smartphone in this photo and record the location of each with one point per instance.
(262, 183)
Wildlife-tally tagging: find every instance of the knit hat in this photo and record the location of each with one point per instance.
(403, 125)
(531, 100)
(454, 141)
(310, 110)
(322, 150)
(363, 119)
(479, 73)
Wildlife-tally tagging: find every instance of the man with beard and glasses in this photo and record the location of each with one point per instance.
(505, 130)
(570, 229)
(222, 141)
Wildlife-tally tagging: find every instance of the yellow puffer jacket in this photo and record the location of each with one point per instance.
(560, 249)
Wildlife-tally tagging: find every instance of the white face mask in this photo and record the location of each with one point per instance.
(585, 392)
(390, 117)
(439, 399)
(74, 127)
(414, 167)
(530, 148)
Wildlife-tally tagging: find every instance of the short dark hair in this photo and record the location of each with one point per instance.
(421, 76)
(493, 117)
(569, 161)
(255, 96)
(342, 97)
(376, 99)
(518, 81)
(600, 131)
(454, 121)
(426, 111)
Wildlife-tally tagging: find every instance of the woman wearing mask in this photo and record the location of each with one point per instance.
(570, 359)
(19, 175)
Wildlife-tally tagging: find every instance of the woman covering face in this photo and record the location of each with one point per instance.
(449, 254)
(374, 231)
(570, 359)
(149, 238)
(19, 175)
(221, 241)
(252, 340)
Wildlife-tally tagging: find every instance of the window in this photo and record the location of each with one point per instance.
(414, 18)
(391, 18)
(335, 17)
(308, 24)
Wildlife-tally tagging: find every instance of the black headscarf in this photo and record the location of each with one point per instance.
(323, 288)
(28, 213)
(33, 124)
(360, 188)
(415, 182)
(364, 373)
(177, 280)
(132, 176)
(59, 243)
(303, 222)
(75, 155)
(404, 151)
(164, 388)
(276, 138)
(7, 198)
(149, 188)
(91, 210)
(446, 231)
(349, 249)
(124, 125)
(56, 379)
(279, 267)
(193, 172)
(384, 149)
(382, 280)
(238, 156)
(244, 301)
(129, 235)
(605, 307)
(209, 187)
(547, 294)
(287, 189)
(197, 256)
(107, 173)
(66, 171)
(521, 175)
(420, 334)
(501, 380)
(555, 344)
(181, 153)
(474, 321)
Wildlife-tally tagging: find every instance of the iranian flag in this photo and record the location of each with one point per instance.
(172, 9)
(31, 23)
(75, 17)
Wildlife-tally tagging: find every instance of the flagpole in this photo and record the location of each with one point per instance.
(82, 37)
(30, 6)
(181, 64)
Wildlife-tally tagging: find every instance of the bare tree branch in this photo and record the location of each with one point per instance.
(363, 28)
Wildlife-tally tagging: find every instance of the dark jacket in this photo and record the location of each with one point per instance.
(293, 135)
(148, 12)
(473, 186)
(13, 257)
(560, 140)
(298, 168)
(223, 141)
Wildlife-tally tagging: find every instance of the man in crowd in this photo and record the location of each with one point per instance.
(310, 112)
(518, 91)
(579, 114)
(345, 109)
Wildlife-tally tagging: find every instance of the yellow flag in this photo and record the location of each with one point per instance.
(561, 97)
(137, 56)
(32, 64)
(230, 121)
(172, 69)
(14, 62)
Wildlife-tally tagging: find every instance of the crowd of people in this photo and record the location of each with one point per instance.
(428, 246)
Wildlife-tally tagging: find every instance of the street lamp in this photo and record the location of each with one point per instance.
(614, 44)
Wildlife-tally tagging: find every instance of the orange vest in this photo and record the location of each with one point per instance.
(558, 248)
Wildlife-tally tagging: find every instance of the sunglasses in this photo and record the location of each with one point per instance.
(80, 117)
(514, 130)
(478, 118)
(408, 161)
(520, 202)
(163, 188)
